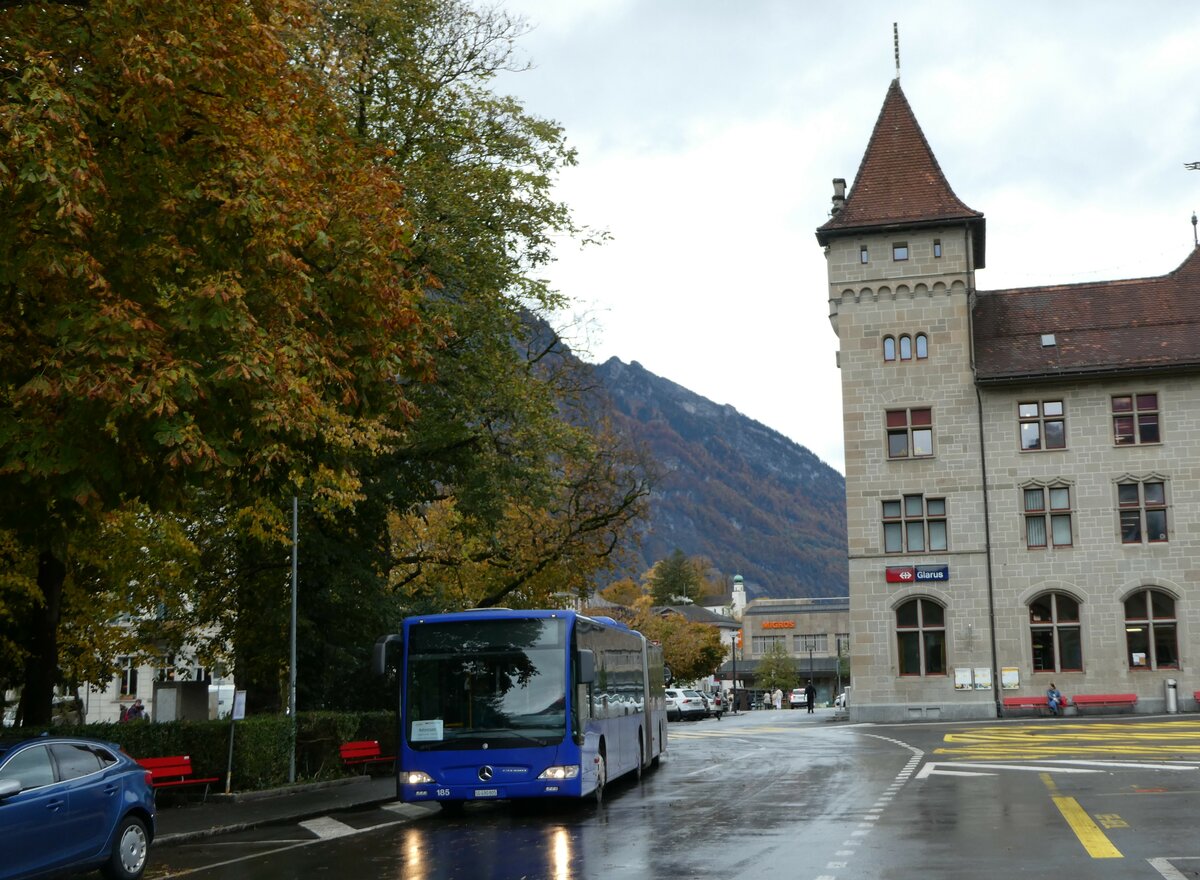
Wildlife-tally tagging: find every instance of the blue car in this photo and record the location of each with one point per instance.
(73, 804)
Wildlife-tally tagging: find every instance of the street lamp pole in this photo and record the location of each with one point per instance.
(733, 651)
(839, 666)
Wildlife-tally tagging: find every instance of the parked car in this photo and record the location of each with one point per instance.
(72, 804)
(685, 703)
(842, 700)
(797, 699)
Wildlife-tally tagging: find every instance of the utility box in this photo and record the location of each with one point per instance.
(180, 701)
(1171, 686)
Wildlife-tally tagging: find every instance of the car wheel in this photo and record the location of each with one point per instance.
(131, 847)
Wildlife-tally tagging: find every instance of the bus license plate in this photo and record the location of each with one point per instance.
(485, 792)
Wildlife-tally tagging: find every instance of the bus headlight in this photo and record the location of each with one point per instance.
(417, 777)
(569, 771)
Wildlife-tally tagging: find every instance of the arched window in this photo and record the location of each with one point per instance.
(889, 348)
(1150, 637)
(1054, 633)
(922, 346)
(921, 637)
(905, 348)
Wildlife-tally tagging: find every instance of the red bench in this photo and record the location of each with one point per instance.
(363, 752)
(1032, 702)
(1105, 700)
(175, 770)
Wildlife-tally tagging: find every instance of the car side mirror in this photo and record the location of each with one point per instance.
(9, 787)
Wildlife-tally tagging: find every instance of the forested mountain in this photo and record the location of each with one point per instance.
(731, 489)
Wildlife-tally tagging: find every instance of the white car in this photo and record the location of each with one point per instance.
(797, 698)
(842, 700)
(685, 703)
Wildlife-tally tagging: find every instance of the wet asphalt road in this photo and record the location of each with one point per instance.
(788, 795)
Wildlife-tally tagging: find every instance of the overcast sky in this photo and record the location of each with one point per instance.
(709, 132)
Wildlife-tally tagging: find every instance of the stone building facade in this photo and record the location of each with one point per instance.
(811, 630)
(1021, 493)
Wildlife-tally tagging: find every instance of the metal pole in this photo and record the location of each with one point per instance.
(733, 651)
(292, 666)
(839, 667)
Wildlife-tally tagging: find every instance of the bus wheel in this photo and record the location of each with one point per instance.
(641, 757)
(601, 777)
(451, 808)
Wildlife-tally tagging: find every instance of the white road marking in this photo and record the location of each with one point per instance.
(327, 828)
(1169, 871)
(968, 768)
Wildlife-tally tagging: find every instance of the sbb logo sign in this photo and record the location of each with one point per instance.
(901, 574)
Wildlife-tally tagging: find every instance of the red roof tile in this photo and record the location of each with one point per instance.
(1102, 327)
(899, 181)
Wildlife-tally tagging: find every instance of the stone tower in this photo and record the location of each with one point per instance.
(901, 251)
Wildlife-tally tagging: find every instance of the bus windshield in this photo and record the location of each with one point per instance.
(495, 682)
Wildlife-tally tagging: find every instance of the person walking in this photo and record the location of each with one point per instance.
(1054, 699)
(810, 696)
(777, 698)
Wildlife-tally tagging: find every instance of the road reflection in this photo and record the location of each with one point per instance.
(490, 848)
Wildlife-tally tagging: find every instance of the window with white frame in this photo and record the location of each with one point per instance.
(811, 642)
(127, 671)
(763, 645)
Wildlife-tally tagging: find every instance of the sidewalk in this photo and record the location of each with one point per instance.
(221, 813)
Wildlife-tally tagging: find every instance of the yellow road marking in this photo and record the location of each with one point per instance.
(1098, 846)
(1151, 740)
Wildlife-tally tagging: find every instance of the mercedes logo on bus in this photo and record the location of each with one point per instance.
(485, 773)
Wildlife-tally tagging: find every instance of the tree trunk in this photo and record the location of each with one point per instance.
(41, 669)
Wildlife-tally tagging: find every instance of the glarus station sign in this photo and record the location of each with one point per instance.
(911, 574)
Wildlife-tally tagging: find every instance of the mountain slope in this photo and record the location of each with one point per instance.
(733, 490)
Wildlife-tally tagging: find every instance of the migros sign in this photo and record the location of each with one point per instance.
(779, 624)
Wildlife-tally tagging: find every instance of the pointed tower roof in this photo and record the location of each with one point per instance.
(899, 184)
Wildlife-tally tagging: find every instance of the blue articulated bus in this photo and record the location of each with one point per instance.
(501, 704)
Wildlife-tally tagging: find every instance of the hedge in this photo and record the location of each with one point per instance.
(260, 743)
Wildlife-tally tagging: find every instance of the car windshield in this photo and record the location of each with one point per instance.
(695, 695)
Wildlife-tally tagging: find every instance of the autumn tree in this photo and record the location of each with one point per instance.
(675, 579)
(204, 284)
(509, 488)
(777, 669)
(624, 592)
(691, 650)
